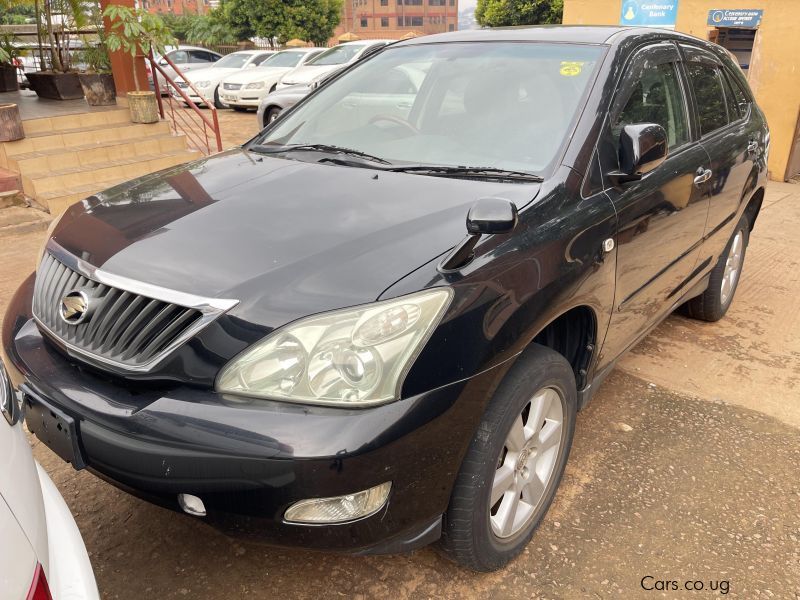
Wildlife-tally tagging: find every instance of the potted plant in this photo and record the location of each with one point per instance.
(60, 81)
(97, 81)
(138, 33)
(8, 69)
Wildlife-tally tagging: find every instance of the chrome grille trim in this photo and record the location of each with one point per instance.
(137, 325)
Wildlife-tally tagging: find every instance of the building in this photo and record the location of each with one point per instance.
(763, 36)
(177, 7)
(372, 19)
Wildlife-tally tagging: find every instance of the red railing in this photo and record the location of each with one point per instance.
(202, 132)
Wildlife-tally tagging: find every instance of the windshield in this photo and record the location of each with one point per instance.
(338, 55)
(232, 61)
(283, 59)
(499, 105)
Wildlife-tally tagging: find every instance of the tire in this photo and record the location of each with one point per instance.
(474, 534)
(217, 103)
(239, 108)
(712, 304)
(271, 114)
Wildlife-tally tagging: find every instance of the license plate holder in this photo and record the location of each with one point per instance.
(54, 428)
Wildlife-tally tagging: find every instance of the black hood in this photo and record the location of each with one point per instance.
(285, 238)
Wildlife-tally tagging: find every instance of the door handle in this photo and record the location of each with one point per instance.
(701, 176)
(752, 147)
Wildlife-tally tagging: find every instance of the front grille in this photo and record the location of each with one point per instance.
(232, 86)
(122, 328)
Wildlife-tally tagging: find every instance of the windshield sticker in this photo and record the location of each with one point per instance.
(571, 68)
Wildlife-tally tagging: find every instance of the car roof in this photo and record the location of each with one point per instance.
(584, 34)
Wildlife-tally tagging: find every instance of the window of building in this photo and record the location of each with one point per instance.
(707, 86)
(384, 21)
(451, 27)
(415, 21)
(384, 2)
(656, 98)
(452, 3)
(437, 2)
(364, 22)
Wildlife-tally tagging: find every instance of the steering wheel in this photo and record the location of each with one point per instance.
(395, 120)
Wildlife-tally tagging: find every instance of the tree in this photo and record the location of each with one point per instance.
(282, 20)
(251, 18)
(504, 13)
(312, 20)
(210, 29)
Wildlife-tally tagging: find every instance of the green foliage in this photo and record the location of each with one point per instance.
(136, 31)
(14, 13)
(309, 20)
(8, 51)
(504, 13)
(210, 29)
(72, 15)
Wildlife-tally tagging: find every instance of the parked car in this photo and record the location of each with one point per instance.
(206, 81)
(186, 58)
(330, 60)
(299, 340)
(245, 90)
(41, 549)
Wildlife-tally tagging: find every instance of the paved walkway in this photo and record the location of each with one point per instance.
(686, 467)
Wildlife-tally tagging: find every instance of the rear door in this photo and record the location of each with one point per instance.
(662, 216)
(728, 135)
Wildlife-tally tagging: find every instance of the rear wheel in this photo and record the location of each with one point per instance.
(514, 464)
(712, 304)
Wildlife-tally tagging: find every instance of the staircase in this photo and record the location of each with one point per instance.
(64, 159)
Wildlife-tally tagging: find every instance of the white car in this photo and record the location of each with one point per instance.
(41, 550)
(186, 58)
(206, 81)
(330, 60)
(245, 89)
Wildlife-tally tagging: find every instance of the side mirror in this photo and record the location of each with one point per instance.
(492, 215)
(163, 62)
(642, 148)
(487, 216)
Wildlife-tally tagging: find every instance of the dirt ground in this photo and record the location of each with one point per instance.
(685, 467)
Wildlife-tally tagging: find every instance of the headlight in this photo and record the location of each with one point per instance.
(256, 85)
(202, 84)
(8, 400)
(351, 357)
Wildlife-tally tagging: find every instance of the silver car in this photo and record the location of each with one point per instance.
(186, 58)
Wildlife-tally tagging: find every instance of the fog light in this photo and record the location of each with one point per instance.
(192, 505)
(339, 509)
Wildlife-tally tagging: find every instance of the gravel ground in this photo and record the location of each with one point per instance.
(685, 468)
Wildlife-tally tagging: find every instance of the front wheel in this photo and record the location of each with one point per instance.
(712, 304)
(217, 102)
(514, 464)
(271, 115)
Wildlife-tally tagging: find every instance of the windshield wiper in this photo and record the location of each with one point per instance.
(471, 172)
(318, 148)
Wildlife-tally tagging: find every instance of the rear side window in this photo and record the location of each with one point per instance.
(742, 102)
(734, 114)
(656, 98)
(707, 84)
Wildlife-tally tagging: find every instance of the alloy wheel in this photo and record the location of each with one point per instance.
(526, 463)
(733, 266)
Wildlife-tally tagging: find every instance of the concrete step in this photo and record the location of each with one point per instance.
(99, 173)
(17, 219)
(99, 135)
(47, 125)
(12, 198)
(54, 160)
(58, 197)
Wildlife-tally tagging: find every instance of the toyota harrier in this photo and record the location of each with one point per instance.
(371, 327)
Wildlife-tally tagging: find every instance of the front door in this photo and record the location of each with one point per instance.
(662, 216)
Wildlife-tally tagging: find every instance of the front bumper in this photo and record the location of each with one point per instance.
(249, 460)
(242, 97)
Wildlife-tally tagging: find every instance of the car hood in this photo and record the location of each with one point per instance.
(308, 73)
(257, 74)
(213, 74)
(286, 238)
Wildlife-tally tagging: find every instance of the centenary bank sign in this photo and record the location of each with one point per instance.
(649, 13)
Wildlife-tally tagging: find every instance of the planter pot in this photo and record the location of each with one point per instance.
(8, 79)
(143, 107)
(56, 86)
(10, 123)
(98, 88)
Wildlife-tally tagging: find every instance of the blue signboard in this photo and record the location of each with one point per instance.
(739, 17)
(649, 13)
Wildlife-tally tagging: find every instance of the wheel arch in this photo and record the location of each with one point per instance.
(573, 334)
(753, 207)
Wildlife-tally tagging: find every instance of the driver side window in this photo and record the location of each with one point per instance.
(656, 98)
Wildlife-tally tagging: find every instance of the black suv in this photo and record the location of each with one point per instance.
(299, 339)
